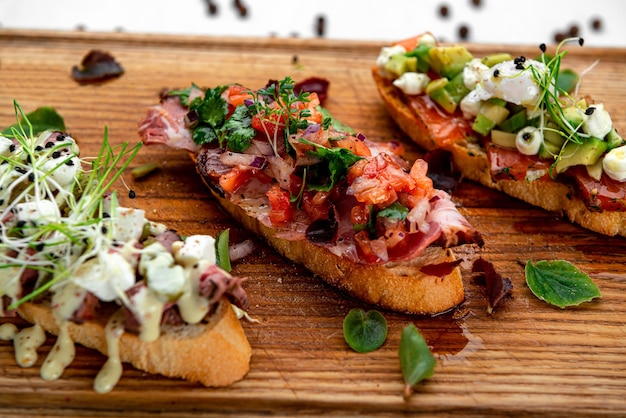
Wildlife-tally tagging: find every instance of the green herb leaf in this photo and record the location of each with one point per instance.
(42, 119)
(560, 283)
(394, 211)
(213, 108)
(416, 360)
(338, 161)
(335, 123)
(238, 130)
(364, 332)
(221, 250)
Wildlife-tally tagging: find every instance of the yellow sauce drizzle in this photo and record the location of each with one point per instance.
(111, 372)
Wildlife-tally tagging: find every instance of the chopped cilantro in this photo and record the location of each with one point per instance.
(334, 167)
(394, 211)
(238, 131)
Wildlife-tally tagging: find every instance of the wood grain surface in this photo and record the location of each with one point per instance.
(526, 359)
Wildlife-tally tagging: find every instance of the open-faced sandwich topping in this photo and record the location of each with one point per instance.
(521, 110)
(66, 242)
(284, 159)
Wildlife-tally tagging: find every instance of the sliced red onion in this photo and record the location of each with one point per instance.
(360, 137)
(258, 162)
(240, 250)
(311, 129)
(191, 119)
(248, 102)
(244, 160)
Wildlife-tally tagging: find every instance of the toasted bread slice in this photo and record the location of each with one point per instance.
(472, 162)
(215, 353)
(399, 287)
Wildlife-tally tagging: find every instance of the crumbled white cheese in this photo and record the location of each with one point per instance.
(614, 163)
(5, 145)
(37, 211)
(597, 123)
(506, 81)
(194, 249)
(473, 73)
(470, 104)
(128, 224)
(385, 54)
(412, 83)
(106, 276)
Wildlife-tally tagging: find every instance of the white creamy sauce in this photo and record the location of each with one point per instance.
(192, 306)
(7, 332)
(26, 343)
(61, 355)
(111, 372)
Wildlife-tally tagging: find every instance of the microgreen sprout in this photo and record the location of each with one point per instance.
(280, 106)
(54, 210)
(554, 99)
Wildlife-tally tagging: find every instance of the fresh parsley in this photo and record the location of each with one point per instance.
(334, 166)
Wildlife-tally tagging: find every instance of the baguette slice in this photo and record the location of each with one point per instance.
(215, 353)
(401, 287)
(472, 162)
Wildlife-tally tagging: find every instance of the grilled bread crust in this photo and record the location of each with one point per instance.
(400, 287)
(215, 353)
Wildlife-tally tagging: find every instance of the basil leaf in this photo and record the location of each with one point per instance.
(416, 360)
(42, 119)
(221, 250)
(364, 332)
(560, 283)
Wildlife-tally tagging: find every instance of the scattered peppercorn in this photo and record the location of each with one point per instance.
(496, 73)
(131, 194)
(56, 154)
(49, 144)
(589, 111)
(543, 47)
(11, 147)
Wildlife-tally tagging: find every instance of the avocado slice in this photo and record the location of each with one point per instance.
(587, 153)
(437, 91)
(448, 61)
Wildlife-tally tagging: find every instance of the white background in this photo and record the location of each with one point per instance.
(494, 21)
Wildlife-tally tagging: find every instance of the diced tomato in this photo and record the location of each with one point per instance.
(272, 126)
(360, 215)
(282, 210)
(316, 205)
(370, 251)
(605, 194)
(238, 94)
(509, 164)
(236, 177)
(355, 145)
(312, 104)
(410, 43)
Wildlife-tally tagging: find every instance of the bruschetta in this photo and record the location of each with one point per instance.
(349, 209)
(512, 124)
(76, 264)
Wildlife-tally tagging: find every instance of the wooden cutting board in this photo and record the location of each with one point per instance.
(526, 359)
